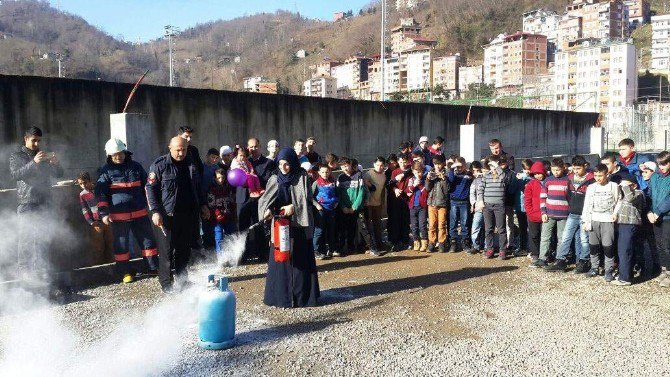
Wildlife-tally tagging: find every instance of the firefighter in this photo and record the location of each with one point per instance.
(123, 205)
(174, 195)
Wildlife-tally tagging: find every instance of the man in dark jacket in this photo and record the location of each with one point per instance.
(496, 148)
(247, 207)
(174, 195)
(33, 169)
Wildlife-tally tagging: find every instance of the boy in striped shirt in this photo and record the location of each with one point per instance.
(101, 234)
(554, 207)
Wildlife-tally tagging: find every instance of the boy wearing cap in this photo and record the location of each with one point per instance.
(531, 202)
(659, 214)
(648, 259)
(628, 215)
(425, 151)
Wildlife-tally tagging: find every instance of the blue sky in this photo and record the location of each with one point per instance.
(144, 19)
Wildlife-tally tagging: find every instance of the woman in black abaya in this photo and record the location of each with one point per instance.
(293, 283)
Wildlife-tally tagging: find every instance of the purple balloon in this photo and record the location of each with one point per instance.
(237, 177)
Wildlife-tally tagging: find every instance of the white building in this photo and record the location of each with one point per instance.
(445, 73)
(597, 76)
(493, 61)
(391, 77)
(543, 22)
(660, 42)
(470, 75)
(324, 86)
(415, 69)
(350, 74)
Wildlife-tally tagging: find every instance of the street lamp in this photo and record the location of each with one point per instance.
(170, 31)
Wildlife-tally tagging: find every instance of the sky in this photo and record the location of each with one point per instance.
(145, 19)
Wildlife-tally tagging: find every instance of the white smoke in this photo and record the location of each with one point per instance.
(232, 249)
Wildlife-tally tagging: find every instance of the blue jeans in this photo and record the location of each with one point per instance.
(459, 211)
(477, 225)
(220, 232)
(573, 230)
(325, 231)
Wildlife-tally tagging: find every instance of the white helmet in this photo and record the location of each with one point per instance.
(114, 146)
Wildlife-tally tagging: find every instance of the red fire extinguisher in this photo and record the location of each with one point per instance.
(282, 239)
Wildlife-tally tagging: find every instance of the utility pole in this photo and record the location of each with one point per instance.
(60, 67)
(383, 51)
(169, 33)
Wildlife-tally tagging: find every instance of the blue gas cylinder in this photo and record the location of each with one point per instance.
(217, 314)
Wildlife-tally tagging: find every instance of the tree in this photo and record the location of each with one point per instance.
(440, 93)
(398, 96)
(360, 12)
(480, 91)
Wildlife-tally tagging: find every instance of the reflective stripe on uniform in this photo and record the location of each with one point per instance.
(149, 252)
(122, 257)
(119, 185)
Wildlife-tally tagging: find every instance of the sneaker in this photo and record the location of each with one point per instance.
(128, 278)
(319, 256)
(559, 265)
(442, 248)
(453, 247)
(431, 247)
(376, 253)
(466, 244)
(593, 273)
(520, 253)
(582, 267)
(502, 255)
(489, 254)
(473, 251)
(539, 263)
(609, 276)
(620, 283)
(337, 254)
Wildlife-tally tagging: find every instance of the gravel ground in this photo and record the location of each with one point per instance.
(408, 313)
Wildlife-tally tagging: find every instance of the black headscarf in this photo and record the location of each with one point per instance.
(284, 180)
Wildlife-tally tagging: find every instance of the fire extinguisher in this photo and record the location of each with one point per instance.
(282, 239)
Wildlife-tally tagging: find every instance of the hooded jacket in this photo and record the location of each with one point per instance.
(576, 195)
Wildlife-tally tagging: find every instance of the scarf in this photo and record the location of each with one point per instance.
(284, 181)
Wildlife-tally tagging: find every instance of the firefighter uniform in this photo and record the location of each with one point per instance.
(121, 196)
(173, 191)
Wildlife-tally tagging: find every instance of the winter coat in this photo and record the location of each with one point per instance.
(120, 190)
(631, 207)
(659, 192)
(414, 186)
(161, 187)
(438, 192)
(325, 193)
(459, 186)
(577, 195)
(33, 180)
(351, 190)
(531, 200)
(633, 166)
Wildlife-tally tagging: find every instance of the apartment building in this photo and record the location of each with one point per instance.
(597, 76)
(543, 22)
(445, 73)
(391, 77)
(660, 42)
(593, 19)
(324, 68)
(415, 67)
(324, 86)
(350, 74)
(470, 75)
(408, 36)
(510, 59)
(639, 12)
(260, 84)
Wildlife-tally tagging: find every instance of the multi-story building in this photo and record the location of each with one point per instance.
(445, 73)
(415, 69)
(391, 77)
(324, 86)
(510, 59)
(593, 19)
(468, 76)
(408, 36)
(639, 12)
(597, 76)
(260, 84)
(544, 22)
(539, 92)
(325, 68)
(660, 42)
(350, 74)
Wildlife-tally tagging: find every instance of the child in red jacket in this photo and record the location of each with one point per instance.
(531, 202)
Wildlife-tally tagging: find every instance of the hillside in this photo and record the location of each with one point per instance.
(266, 43)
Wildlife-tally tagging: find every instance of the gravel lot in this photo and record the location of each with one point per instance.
(406, 313)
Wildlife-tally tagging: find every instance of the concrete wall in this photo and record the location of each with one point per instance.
(75, 116)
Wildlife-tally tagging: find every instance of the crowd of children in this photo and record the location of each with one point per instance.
(609, 219)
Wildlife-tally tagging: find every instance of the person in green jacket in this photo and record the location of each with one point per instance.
(351, 191)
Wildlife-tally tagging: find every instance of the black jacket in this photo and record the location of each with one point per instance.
(193, 152)
(162, 185)
(33, 181)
